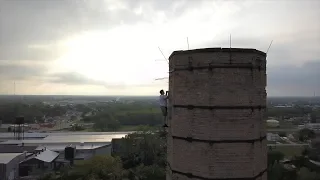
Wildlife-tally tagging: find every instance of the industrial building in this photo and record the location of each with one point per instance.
(44, 160)
(216, 107)
(86, 146)
(50, 151)
(9, 165)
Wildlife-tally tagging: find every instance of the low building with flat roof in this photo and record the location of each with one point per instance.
(67, 139)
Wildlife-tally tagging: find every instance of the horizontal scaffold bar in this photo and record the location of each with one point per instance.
(217, 107)
(211, 142)
(190, 175)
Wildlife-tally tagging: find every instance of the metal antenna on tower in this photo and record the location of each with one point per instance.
(163, 55)
(167, 62)
(188, 42)
(230, 59)
(230, 41)
(14, 88)
(269, 47)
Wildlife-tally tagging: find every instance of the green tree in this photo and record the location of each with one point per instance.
(274, 157)
(306, 174)
(146, 148)
(306, 134)
(107, 123)
(282, 134)
(98, 167)
(143, 172)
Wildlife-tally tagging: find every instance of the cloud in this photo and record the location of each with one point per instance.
(20, 71)
(24, 23)
(22, 53)
(74, 78)
(34, 37)
(33, 22)
(294, 80)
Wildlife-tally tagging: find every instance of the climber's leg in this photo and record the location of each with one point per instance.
(164, 113)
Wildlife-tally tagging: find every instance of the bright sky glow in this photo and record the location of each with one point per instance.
(110, 47)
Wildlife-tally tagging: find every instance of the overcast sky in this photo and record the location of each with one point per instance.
(110, 47)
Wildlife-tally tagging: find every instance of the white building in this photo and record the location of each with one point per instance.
(273, 137)
(273, 123)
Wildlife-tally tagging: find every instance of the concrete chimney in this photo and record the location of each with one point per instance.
(216, 107)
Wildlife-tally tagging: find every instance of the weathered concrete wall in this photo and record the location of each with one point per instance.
(209, 105)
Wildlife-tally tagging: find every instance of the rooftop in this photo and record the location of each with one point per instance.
(4, 148)
(45, 156)
(45, 134)
(85, 138)
(67, 139)
(54, 147)
(7, 157)
(218, 49)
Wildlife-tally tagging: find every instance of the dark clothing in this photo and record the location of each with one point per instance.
(164, 110)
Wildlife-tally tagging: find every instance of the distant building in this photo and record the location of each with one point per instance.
(312, 126)
(273, 123)
(87, 145)
(273, 137)
(44, 159)
(9, 165)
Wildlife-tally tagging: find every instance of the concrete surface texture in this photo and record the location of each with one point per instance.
(216, 104)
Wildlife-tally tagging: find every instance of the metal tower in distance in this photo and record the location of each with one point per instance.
(18, 128)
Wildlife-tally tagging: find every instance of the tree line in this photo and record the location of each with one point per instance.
(112, 117)
(30, 112)
(296, 111)
(143, 157)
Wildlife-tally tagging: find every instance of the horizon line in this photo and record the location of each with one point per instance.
(300, 96)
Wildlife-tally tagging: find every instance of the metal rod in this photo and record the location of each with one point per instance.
(269, 47)
(188, 42)
(163, 55)
(230, 41)
(161, 78)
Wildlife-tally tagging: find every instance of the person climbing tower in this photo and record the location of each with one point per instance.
(163, 105)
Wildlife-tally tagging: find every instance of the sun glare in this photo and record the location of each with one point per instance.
(107, 57)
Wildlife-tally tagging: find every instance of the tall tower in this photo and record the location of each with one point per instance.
(216, 107)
